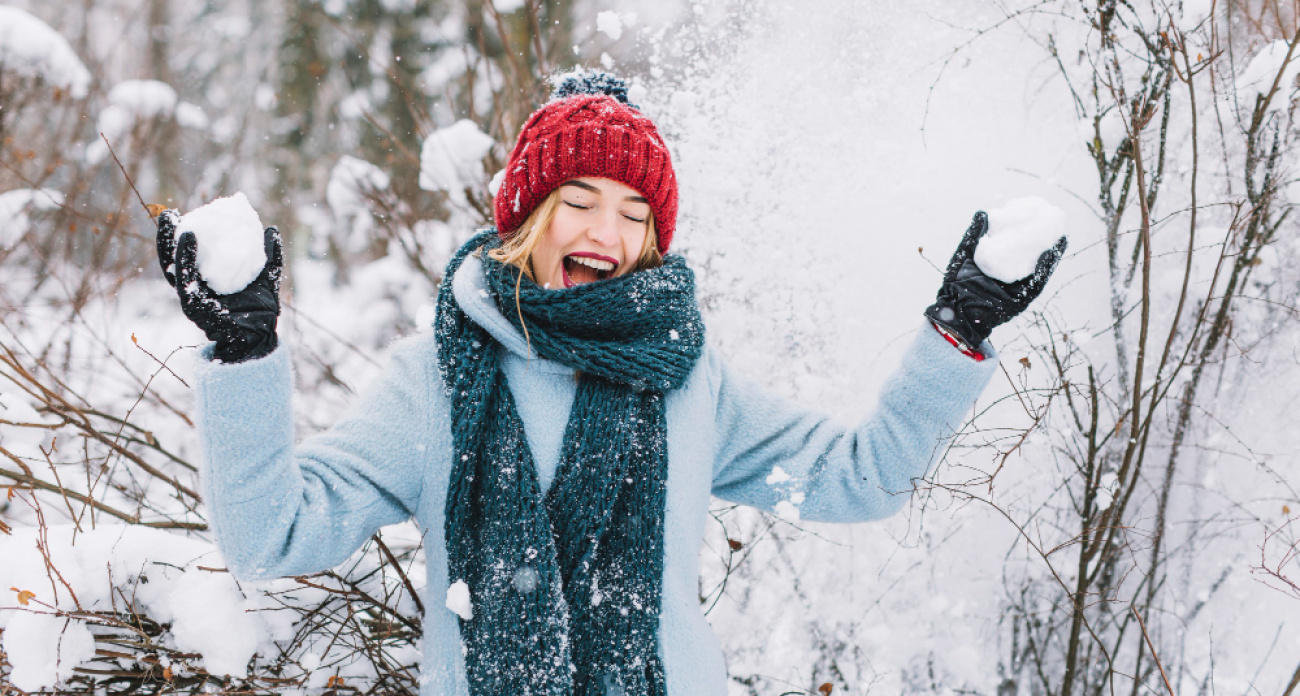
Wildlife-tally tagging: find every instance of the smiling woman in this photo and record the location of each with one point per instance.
(559, 434)
(588, 229)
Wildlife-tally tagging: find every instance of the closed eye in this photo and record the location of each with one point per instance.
(634, 219)
(575, 205)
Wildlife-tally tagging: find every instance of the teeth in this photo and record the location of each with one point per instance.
(594, 263)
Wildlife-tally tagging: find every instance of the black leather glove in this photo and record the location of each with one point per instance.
(242, 323)
(970, 304)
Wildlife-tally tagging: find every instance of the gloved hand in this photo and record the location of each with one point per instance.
(970, 304)
(243, 323)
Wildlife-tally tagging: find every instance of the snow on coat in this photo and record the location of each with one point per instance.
(279, 510)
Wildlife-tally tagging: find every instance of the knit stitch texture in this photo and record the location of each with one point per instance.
(283, 509)
(588, 135)
(566, 585)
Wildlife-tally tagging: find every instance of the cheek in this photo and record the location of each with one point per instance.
(552, 241)
(564, 227)
(634, 242)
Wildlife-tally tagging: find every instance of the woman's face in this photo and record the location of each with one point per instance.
(598, 232)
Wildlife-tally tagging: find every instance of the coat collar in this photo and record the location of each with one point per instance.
(469, 286)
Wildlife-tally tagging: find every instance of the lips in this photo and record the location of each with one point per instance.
(582, 267)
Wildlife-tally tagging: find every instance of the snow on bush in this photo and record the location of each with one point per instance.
(1262, 71)
(809, 142)
(135, 101)
(143, 98)
(1019, 232)
(843, 140)
(452, 159)
(1194, 12)
(191, 116)
(30, 47)
(170, 576)
(352, 185)
(44, 649)
(15, 208)
(231, 247)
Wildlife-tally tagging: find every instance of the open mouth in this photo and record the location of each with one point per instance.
(586, 267)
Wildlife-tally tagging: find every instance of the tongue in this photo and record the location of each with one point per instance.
(580, 274)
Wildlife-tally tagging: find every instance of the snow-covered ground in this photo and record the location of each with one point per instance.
(830, 160)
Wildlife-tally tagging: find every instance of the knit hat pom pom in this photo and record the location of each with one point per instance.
(584, 81)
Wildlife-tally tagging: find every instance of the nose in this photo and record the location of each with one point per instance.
(604, 228)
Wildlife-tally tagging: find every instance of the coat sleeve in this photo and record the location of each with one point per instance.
(282, 510)
(799, 464)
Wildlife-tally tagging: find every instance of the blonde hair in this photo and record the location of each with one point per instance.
(517, 249)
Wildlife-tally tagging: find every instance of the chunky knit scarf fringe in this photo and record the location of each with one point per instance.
(566, 584)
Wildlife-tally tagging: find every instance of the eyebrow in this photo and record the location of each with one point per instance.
(588, 187)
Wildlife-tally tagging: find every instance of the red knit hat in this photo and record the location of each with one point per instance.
(588, 129)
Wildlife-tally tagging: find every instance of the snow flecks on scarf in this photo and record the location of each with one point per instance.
(566, 586)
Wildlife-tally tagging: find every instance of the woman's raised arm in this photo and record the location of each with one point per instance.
(279, 510)
(778, 457)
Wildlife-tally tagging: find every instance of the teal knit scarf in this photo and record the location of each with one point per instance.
(565, 584)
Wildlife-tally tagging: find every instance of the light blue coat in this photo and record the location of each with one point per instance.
(280, 509)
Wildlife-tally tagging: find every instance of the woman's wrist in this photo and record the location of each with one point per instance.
(957, 343)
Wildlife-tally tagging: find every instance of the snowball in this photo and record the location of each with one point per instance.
(30, 47)
(458, 600)
(453, 156)
(44, 649)
(231, 250)
(1019, 232)
(1259, 74)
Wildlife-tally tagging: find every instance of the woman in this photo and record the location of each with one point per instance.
(560, 434)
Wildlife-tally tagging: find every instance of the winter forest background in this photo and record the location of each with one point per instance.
(1119, 515)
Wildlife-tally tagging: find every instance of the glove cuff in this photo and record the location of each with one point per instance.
(245, 348)
(952, 320)
(957, 343)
